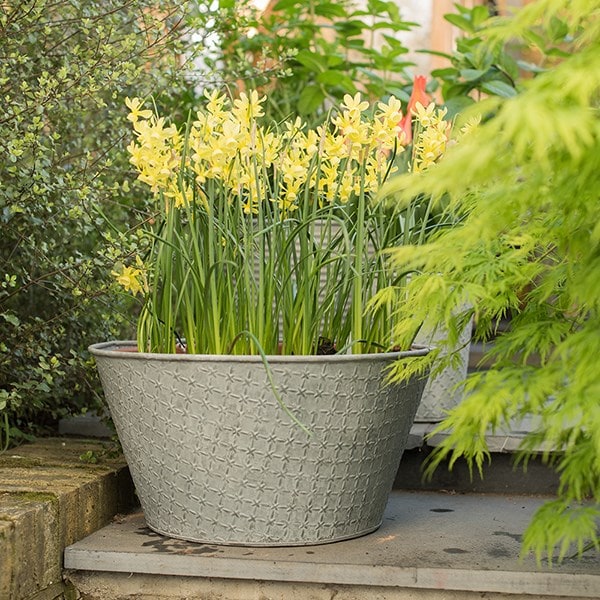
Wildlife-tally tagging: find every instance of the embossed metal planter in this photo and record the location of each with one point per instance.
(443, 391)
(216, 460)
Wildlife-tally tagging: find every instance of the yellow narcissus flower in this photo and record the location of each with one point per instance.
(134, 105)
(130, 278)
(346, 186)
(247, 108)
(428, 116)
(293, 127)
(154, 153)
(375, 173)
(309, 143)
(328, 182)
(334, 147)
(153, 133)
(354, 104)
(268, 146)
(181, 197)
(231, 138)
(353, 128)
(250, 207)
(384, 135)
(430, 145)
(215, 104)
(390, 113)
(432, 140)
(227, 145)
(470, 125)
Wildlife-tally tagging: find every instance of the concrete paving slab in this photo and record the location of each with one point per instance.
(428, 541)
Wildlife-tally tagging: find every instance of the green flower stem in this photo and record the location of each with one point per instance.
(269, 230)
(358, 277)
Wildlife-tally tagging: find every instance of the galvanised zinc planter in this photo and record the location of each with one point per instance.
(443, 391)
(215, 459)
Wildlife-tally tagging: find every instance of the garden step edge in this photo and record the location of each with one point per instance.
(431, 545)
(49, 499)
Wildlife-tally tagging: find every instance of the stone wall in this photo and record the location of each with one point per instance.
(50, 498)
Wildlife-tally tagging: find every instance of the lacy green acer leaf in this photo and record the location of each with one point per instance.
(524, 188)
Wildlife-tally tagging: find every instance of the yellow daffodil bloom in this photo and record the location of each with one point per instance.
(136, 113)
(227, 145)
(354, 104)
(130, 278)
(246, 108)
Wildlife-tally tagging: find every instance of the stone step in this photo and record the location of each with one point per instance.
(50, 498)
(431, 546)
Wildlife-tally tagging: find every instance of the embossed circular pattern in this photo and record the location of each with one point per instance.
(215, 459)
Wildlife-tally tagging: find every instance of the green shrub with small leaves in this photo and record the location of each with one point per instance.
(525, 187)
(66, 68)
(306, 55)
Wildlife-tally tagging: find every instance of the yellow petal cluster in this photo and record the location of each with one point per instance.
(432, 137)
(155, 152)
(132, 279)
(228, 152)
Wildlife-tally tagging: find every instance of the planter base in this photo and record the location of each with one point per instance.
(271, 544)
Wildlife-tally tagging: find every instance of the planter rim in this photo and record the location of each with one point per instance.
(111, 350)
